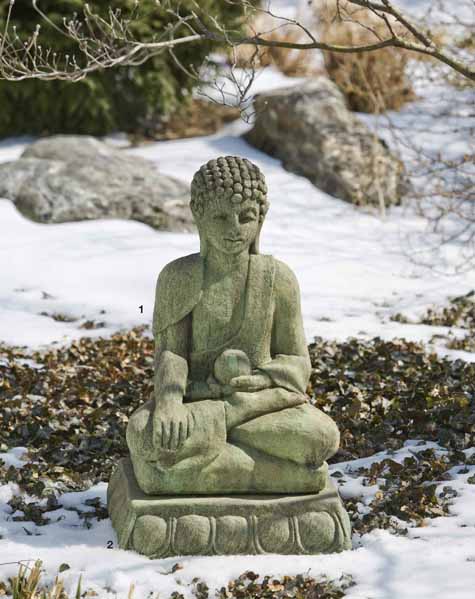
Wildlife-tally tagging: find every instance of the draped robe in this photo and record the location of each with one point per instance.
(277, 442)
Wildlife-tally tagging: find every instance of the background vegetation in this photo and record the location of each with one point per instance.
(124, 98)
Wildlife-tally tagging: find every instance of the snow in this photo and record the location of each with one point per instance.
(355, 271)
(264, 80)
(352, 268)
(352, 271)
(435, 561)
(14, 457)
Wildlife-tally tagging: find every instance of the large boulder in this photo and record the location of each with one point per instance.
(74, 178)
(311, 130)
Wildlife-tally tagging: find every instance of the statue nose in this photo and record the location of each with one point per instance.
(235, 223)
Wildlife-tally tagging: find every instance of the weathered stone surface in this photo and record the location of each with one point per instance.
(162, 526)
(229, 421)
(310, 129)
(267, 432)
(229, 364)
(74, 178)
(69, 147)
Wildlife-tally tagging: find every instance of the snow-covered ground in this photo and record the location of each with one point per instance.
(352, 265)
(353, 273)
(432, 562)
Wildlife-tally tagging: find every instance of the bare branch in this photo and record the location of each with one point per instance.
(107, 42)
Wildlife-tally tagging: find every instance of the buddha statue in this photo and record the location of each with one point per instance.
(229, 415)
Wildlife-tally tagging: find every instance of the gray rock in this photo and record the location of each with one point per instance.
(69, 147)
(14, 174)
(75, 178)
(310, 129)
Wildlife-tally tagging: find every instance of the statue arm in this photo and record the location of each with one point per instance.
(172, 425)
(177, 292)
(170, 342)
(290, 365)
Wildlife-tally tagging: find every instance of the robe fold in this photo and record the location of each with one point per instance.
(271, 331)
(251, 454)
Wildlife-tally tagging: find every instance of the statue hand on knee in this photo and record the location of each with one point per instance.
(173, 424)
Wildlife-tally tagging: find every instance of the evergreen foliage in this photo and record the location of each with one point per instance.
(122, 98)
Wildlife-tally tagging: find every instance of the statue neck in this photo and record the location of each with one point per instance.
(218, 264)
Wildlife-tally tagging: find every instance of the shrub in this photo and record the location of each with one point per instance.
(126, 98)
(293, 63)
(371, 81)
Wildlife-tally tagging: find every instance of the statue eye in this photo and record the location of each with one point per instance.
(219, 217)
(247, 217)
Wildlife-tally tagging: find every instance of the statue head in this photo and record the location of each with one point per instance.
(229, 203)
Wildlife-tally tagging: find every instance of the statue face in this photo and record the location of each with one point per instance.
(230, 228)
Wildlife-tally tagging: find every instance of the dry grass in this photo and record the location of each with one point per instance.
(27, 585)
(194, 118)
(467, 42)
(293, 63)
(249, 585)
(371, 81)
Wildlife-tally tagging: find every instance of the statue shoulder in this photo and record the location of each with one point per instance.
(284, 275)
(180, 267)
(178, 290)
(284, 282)
(286, 285)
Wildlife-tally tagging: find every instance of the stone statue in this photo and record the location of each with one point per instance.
(229, 417)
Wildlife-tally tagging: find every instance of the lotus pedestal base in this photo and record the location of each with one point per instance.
(163, 526)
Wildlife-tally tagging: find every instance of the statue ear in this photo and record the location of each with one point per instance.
(254, 249)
